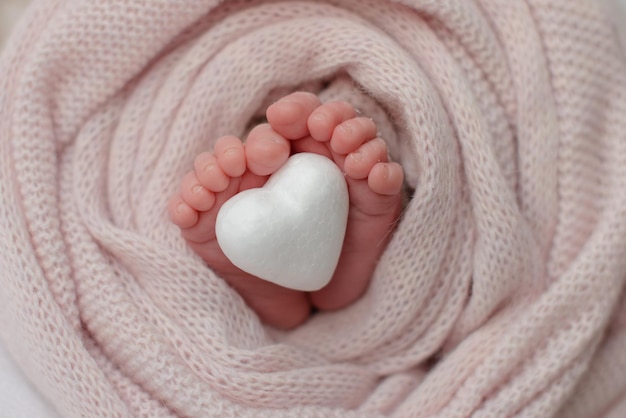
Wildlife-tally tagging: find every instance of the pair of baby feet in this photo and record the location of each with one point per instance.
(298, 122)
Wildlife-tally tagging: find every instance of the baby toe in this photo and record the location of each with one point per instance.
(266, 150)
(230, 155)
(180, 213)
(359, 163)
(209, 173)
(194, 194)
(351, 134)
(325, 119)
(386, 178)
(288, 116)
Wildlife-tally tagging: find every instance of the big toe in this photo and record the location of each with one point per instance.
(288, 116)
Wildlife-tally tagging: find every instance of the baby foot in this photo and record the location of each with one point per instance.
(216, 177)
(297, 123)
(374, 184)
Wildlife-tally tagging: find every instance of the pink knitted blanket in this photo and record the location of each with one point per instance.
(500, 294)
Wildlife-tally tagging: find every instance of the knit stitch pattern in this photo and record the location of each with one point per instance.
(499, 295)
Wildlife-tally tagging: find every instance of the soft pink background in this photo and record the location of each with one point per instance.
(17, 397)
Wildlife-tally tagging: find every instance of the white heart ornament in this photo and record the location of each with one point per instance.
(290, 231)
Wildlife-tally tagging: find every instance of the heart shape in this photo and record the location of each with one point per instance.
(291, 230)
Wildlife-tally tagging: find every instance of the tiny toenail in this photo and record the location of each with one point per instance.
(230, 151)
(196, 189)
(320, 117)
(209, 167)
(346, 128)
(357, 156)
(180, 207)
(275, 139)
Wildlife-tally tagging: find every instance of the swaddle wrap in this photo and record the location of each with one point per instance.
(499, 295)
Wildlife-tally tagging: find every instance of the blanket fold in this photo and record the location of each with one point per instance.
(501, 293)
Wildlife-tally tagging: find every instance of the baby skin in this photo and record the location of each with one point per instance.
(297, 123)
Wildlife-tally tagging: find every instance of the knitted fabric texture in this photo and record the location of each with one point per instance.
(499, 295)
